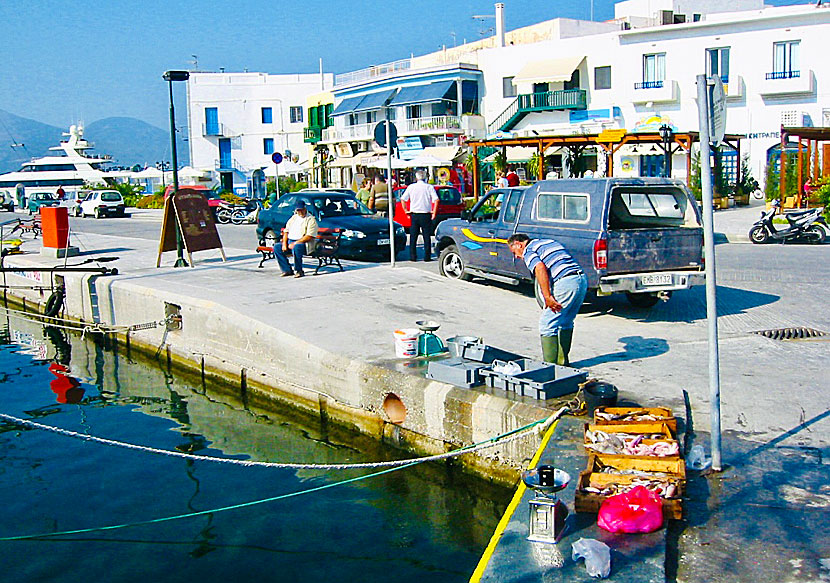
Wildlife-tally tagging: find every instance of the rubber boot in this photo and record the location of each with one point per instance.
(566, 337)
(550, 348)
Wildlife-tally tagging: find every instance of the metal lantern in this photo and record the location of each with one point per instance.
(547, 513)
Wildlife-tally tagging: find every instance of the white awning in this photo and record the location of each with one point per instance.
(362, 159)
(433, 156)
(548, 70)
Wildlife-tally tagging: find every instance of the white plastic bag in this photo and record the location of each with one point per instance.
(597, 556)
(697, 458)
(507, 368)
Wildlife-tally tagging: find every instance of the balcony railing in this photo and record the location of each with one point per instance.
(213, 129)
(541, 101)
(439, 123)
(783, 75)
(649, 85)
(355, 132)
(312, 134)
(228, 165)
(372, 72)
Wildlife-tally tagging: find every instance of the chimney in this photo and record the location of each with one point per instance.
(500, 24)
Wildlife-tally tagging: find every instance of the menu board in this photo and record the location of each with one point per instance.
(189, 209)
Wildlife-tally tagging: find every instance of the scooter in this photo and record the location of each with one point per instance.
(808, 225)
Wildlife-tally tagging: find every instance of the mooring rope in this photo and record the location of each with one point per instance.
(506, 437)
(67, 324)
(540, 426)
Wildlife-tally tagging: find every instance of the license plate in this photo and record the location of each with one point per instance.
(657, 279)
(383, 241)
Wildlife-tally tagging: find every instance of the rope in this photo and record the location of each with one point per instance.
(543, 426)
(503, 438)
(68, 324)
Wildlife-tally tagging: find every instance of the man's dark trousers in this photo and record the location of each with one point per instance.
(421, 222)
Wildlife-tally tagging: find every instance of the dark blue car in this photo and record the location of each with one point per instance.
(363, 235)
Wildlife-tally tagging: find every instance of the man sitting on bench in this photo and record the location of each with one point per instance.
(299, 236)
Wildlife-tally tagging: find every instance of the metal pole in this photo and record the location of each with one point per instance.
(389, 192)
(709, 254)
(180, 261)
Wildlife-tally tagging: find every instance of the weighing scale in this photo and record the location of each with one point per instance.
(428, 343)
(547, 512)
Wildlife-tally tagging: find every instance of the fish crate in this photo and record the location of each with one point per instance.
(455, 371)
(648, 441)
(585, 501)
(470, 348)
(655, 430)
(539, 380)
(661, 414)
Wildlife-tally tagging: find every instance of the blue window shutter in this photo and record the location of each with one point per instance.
(267, 115)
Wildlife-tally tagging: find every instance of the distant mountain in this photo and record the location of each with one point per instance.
(128, 140)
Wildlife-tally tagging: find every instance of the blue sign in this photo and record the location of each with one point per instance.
(411, 143)
(276, 157)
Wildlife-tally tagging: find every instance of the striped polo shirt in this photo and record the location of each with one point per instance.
(558, 261)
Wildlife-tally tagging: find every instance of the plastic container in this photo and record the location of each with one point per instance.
(599, 395)
(406, 342)
(456, 344)
(538, 380)
(455, 371)
(471, 348)
(55, 225)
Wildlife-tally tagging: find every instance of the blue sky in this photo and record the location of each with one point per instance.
(65, 61)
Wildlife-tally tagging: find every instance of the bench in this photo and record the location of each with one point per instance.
(32, 226)
(326, 251)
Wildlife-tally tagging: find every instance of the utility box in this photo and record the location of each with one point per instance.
(55, 224)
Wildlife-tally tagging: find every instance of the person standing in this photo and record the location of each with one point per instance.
(298, 237)
(379, 201)
(501, 181)
(512, 177)
(423, 208)
(363, 194)
(60, 192)
(563, 285)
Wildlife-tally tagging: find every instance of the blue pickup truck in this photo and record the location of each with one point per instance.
(640, 236)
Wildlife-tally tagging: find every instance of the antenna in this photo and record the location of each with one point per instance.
(482, 18)
(195, 62)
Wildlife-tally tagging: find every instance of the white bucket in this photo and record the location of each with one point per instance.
(406, 343)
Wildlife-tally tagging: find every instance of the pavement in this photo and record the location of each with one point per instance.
(760, 519)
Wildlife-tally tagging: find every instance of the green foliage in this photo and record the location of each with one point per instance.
(231, 198)
(720, 182)
(821, 195)
(533, 165)
(151, 201)
(747, 184)
(773, 176)
(287, 184)
(499, 162)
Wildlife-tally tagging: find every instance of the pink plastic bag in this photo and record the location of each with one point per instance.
(638, 510)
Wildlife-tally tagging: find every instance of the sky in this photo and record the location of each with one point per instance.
(66, 61)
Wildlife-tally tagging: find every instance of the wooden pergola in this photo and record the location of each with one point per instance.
(610, 141)
(812, 137)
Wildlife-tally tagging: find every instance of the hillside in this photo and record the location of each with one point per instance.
(128, 140)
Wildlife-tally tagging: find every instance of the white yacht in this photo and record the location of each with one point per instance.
(71, 169)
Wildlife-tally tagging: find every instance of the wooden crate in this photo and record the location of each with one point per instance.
(656, 428)
(674, 467)
(664, 413)
(590, 502)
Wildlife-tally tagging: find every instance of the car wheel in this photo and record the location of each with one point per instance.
(451, 264)
(642, 300)
(759, 234)
(816, 234)
(269, 239)
(98, 213)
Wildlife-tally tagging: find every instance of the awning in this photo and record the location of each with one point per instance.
(434, 156)
(374, 100)
(422, 93)
(362, 159)
(348, 105)
(548, 70)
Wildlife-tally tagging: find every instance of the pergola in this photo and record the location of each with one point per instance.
(812, 136)
(610, 141)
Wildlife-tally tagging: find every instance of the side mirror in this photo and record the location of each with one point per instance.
(465, 215)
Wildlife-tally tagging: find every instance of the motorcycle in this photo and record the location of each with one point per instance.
(808, 225)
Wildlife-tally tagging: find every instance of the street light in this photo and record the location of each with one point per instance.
(171, 76)
(666, 134)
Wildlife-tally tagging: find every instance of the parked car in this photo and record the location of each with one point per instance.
(39, 199)
(363, 235)
(100, 203)
(6, 201)
(450, 205)
(641, 236)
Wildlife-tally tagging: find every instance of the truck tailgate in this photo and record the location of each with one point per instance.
(657, 249)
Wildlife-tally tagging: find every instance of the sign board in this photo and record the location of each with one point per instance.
(380, 133)
(188, 209)
(717, 111)
(276, 157)
(611, 135)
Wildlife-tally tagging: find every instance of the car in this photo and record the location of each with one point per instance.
(638, 236)
(213, 198)
(363, 235)
(329, 189)
(100, 203)
(6, 201)
(39, 199)
(450, 205)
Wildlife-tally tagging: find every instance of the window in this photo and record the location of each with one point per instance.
(602, 78)
(717, 63)
(371, 116)
(268, 146)
(267, 115)
(295, 114)
(634, 208)
(413, 111)
(556, 206)
(507, 87)
(353, 119)
(512, 206)
(785, 59)
(654, 71)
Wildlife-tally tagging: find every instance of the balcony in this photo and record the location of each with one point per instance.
(214, 130)
(440, 124)
(535, 102)
(734, 87)
(784, 83)
(228, 165)
(312, 134)
(363, 131)
(664, 91)
(373, 72)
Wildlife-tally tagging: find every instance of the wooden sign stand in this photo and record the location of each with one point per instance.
(189, 210)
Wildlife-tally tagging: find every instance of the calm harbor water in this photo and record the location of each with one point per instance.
(425, 523)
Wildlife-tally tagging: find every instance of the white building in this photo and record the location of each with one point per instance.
(238, 120)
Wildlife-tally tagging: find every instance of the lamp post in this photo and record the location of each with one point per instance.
(666, 134)
(171, 76)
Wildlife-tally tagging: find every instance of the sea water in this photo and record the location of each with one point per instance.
(424, 523)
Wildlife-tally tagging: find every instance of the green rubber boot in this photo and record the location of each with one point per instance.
(550, 348)
(566, 337)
